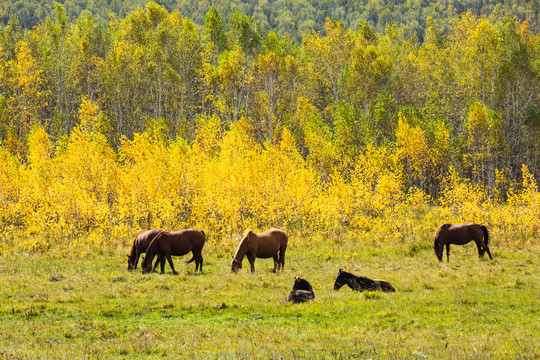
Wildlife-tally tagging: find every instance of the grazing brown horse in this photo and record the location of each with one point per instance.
(140, 244)
(461, 234)
(268, 244)
(175, 243)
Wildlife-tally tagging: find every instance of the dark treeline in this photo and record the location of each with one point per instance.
(465, 99)
(292, 17)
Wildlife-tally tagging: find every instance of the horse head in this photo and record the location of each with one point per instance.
(340, 281)
(130, 263)
(236, 266)
(438, 249)
(437, 245)
(146, 265)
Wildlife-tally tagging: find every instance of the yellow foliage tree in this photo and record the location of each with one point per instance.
(24, 81)
(412, 153)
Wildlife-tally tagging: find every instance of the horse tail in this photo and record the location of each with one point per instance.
(486, 235)
(204, 236)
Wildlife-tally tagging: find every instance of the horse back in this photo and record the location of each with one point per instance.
(461, 234)
(180, 242)
(144, 238)
(384, 285)
(302, 284)
(269, 243)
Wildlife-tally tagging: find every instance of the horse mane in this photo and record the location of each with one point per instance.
(243, 244)
(133, 250)
(345, 273)
(443, 227)
(134, 245)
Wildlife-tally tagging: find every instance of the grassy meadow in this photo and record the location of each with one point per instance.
(92, 307)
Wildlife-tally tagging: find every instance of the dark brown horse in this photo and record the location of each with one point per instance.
(461, 234)
(268, 244)
(140, 244)
(302, 291)
(175, 243)
(361, 283)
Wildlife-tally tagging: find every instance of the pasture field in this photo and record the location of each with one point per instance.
(55, 308)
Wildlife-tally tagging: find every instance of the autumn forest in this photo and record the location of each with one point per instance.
(152, 120)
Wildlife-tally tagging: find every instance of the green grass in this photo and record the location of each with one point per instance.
(94, 308)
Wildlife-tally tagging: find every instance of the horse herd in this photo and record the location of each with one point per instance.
(273, 244)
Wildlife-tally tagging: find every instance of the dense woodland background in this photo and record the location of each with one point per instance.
(293, 17)
(233, 115)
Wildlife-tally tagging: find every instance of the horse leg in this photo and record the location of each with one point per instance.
(162, 264)
(282, 261)
(169, 259)
(483, 248)
(157, 262)
(276, 263)
(251, 259)
(489, 253)
(447, 253)
(480, 250)
(137, 255)
(198, 263)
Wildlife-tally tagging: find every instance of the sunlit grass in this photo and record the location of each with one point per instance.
(92, 307)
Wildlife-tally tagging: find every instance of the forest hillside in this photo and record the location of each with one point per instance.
(296, 18)
(152, 120)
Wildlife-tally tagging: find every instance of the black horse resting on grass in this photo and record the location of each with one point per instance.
(302, 291)
(361, 283)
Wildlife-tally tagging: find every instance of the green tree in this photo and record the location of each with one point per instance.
(245, 33)
(214, 28)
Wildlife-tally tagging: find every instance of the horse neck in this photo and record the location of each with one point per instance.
(341, 280)
(242, 250)
(133, 250)
(153, 248)
(352, 281)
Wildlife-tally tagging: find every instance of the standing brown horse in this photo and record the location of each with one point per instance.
(461, 234)
(140, 244)
(268, 244)
(175, 243)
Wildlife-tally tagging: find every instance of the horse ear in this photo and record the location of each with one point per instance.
(340, 270)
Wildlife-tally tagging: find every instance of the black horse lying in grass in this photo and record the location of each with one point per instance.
(361, 283)
(302, 291)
